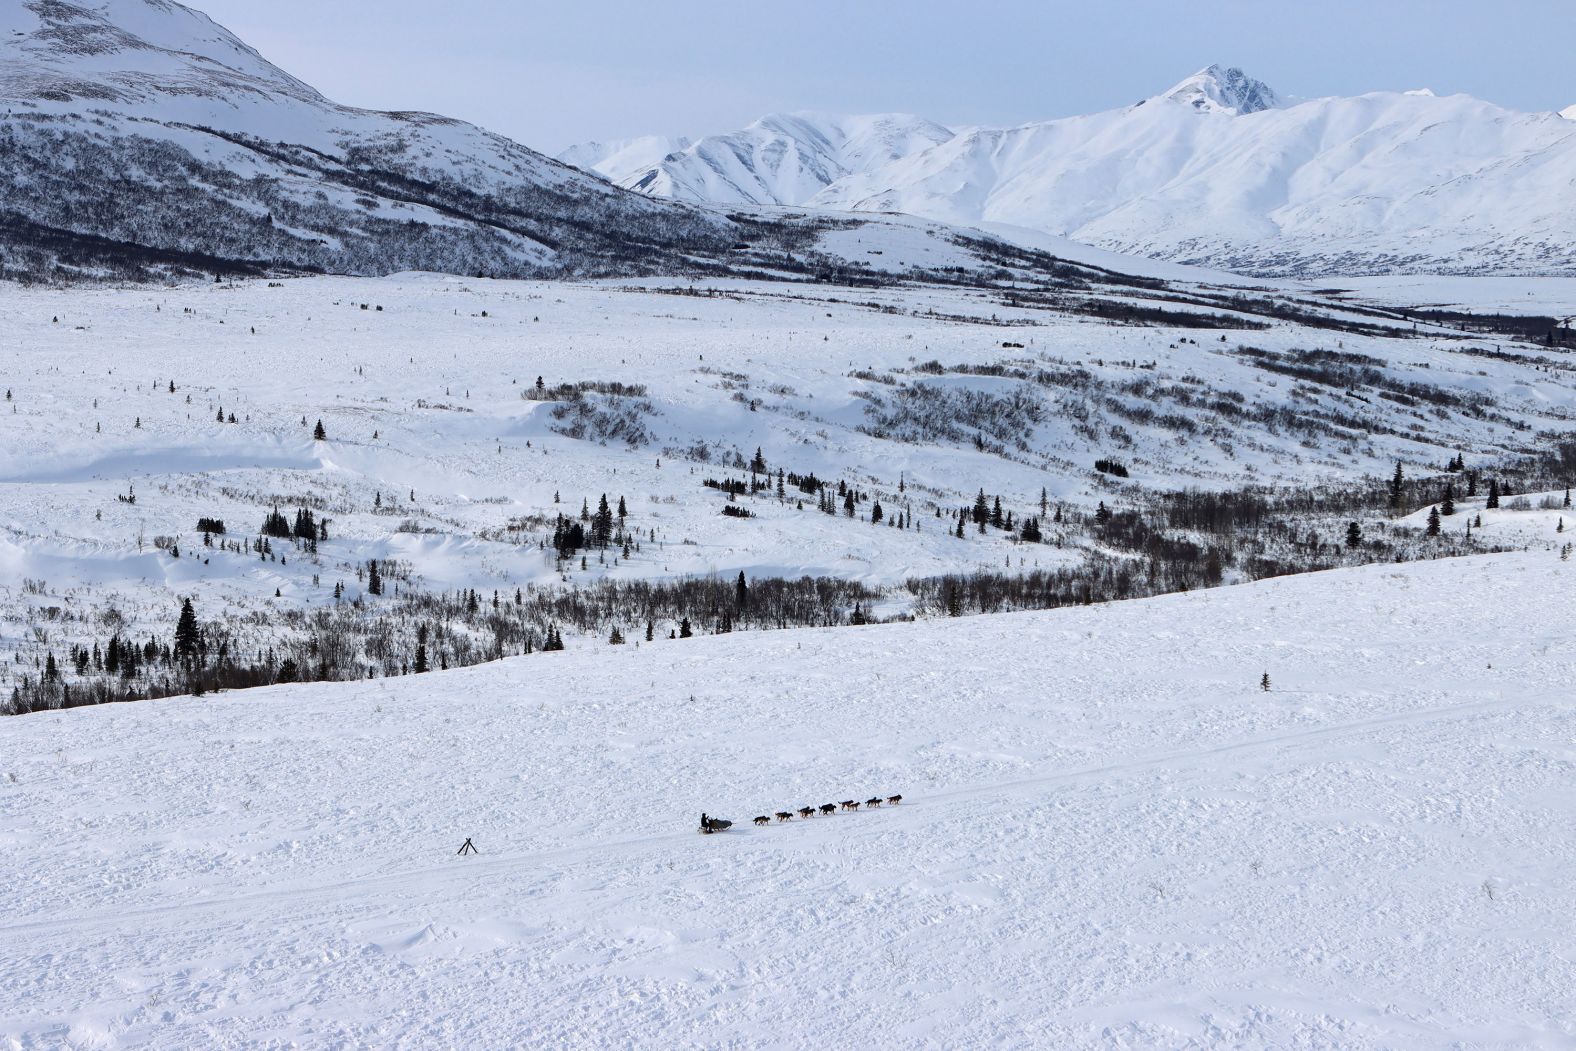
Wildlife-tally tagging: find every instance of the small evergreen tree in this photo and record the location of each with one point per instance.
(685, 631)
(374, 578)
(318, 433)
(1354, 534)
(1433, 522)
(188, 639)
(1493, 494)
(1264, 683)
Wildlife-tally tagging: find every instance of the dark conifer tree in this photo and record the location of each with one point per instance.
(685, 631)
(318, 433)
(188, 640)
(1493, 493)
(1433, 521)
(1354, 534)
(374, 578)
(1447, 506)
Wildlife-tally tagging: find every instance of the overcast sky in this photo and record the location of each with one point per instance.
(552, 74)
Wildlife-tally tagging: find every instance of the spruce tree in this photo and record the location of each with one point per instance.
(741, 592)
(318, 433)
(1264, 683)
(187, 638)
(684, 629)
(1354, 534)
(1493, 494)
(374, 578)
(1397, 484)
(1447, 506)
(1433, 522)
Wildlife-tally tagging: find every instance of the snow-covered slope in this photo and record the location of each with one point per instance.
(138, 131)
(1109, 837)
(1217, 171)
(780, 159)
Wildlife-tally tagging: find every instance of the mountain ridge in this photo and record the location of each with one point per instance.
(140, 132)
(1222, 171)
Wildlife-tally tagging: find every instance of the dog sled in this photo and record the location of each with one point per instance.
(708, 825)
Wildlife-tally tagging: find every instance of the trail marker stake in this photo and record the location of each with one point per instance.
(468, 847)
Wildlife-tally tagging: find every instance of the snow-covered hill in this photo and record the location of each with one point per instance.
(1218, 170)
(1387, 181)
(784, 158)
(1110, 836)
(139, 134)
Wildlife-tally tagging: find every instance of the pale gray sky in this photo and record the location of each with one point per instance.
(552, 74)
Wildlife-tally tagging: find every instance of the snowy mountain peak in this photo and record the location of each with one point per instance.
(1223, 89)
(1569, 112)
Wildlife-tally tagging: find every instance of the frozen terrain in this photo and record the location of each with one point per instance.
(444, 462)
(1110, 837)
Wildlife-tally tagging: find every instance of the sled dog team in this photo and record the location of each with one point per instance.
(828, 808)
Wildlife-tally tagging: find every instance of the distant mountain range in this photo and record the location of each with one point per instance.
(1219, 170)
(138, 137)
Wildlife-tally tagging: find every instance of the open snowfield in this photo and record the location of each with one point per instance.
(1110, 837)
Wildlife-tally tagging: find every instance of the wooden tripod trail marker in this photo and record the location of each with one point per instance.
(468, 847)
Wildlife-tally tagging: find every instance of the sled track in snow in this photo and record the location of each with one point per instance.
(473, 870)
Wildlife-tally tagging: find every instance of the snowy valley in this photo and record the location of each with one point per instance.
(1110, 578)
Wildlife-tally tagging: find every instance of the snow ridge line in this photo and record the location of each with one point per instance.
(510, 862)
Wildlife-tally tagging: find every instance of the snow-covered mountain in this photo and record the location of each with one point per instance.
(1218, 170)
(784, 158)
(139, 132)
